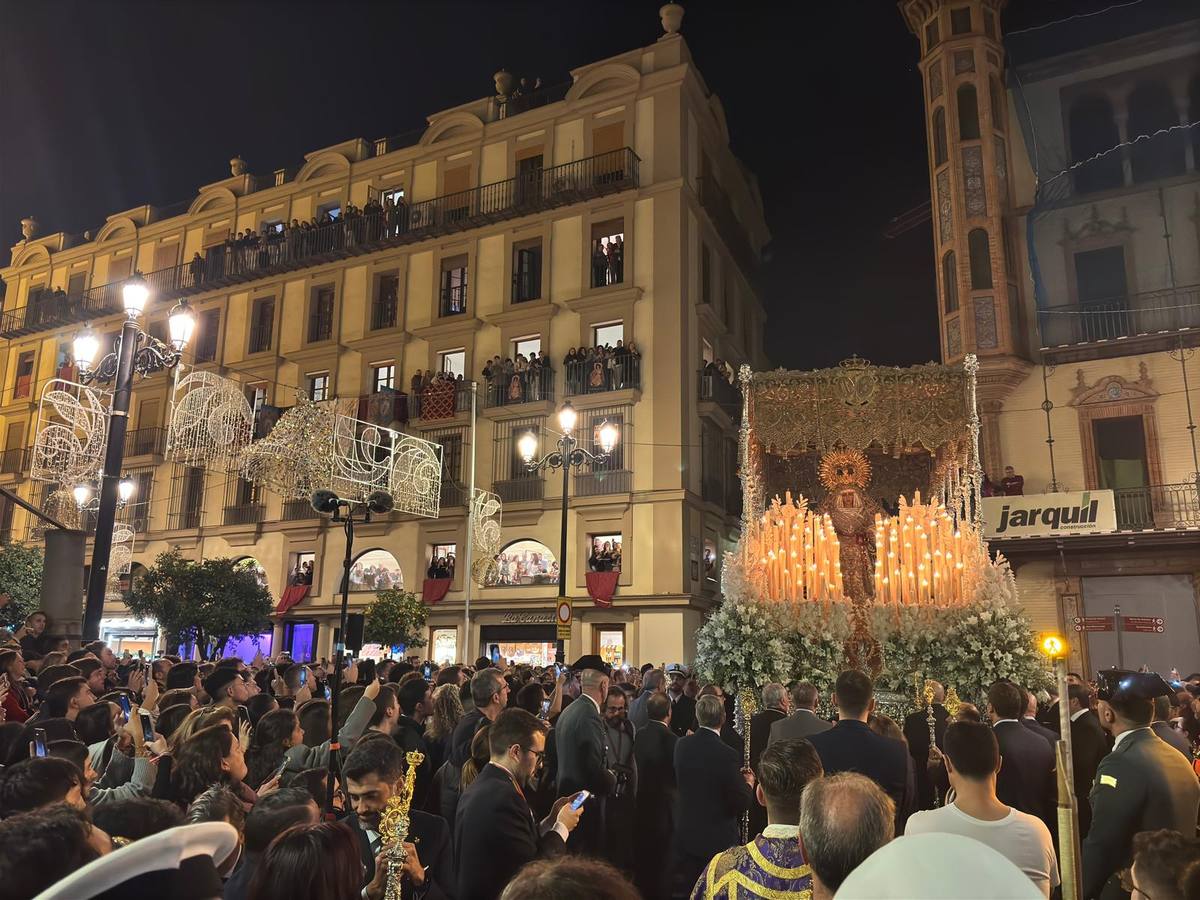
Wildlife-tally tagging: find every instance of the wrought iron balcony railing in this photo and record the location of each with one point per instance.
(1126, 316)
(597, 376)
(604, 481)
(440, 400)
(1158, 506)
(515, 490)
(298, 510)
(145, 442)
(383, 313)
(244, 514)
(715, 388)
(520, 387)
(350, 235)
(14, 461)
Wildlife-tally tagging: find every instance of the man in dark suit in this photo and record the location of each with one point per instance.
(683, 707)
(916, 733)
(1026, 778)
(654, 752)
(372, 774)
(851, 746)
(774, 709)
(1142, 785)
(803, 722)
(581, 744)
(1089, 745)
(489, 696)
(1161, 727)
(1029, 719)
(495, 833)
(714, 791)
(1049, 716)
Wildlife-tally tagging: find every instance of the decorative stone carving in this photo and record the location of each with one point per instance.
(953, 339)
(29, 227)
(1113, 388)
(237, 166)
(1095, 226)
(935, 79)
(671, 15)
(976, 196)
(964, 61)
(504, 82)
(985, 323)
(945, 220)
(1002, 169)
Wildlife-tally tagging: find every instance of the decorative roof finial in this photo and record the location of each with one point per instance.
(671, 15)
(237, 166)
(29, 227)
(504, 82)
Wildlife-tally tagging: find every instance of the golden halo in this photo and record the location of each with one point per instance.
(840, 468)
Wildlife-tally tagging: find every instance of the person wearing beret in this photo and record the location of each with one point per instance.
(1144, 784)
(581, 745)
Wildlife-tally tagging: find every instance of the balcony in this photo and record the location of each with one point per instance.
(260, 338)
(298, 511)
(185, 518)
(441, 400)
(383, 313)
(528, 387)
(1158, 506)
(452, 300)
(406, 223)
(14, 461)
(716, 203)
(386, 407)
(145, 442)
(715, 388)
(245, 514)
(604, 481)
(453, 494)
(517, 490)
(1121, 318)
(597, 376)
(320, 326)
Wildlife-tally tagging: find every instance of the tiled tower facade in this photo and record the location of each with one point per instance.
(978, 268)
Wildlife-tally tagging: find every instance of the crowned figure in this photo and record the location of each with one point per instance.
(845, 475)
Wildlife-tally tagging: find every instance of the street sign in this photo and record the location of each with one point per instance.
(1094, 623)
(1142, 624)
(563, 617)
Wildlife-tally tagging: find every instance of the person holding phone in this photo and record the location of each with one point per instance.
(16, 703)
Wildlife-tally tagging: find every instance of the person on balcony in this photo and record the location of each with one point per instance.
(1013, 484)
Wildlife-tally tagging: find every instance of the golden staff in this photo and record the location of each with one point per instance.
(393, 827)
(749, 703)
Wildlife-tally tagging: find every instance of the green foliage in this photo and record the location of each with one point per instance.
(206, 603)
(20, 578)
(396, 617)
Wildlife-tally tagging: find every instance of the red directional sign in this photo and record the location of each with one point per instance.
(1094, 623)
(1142, 624)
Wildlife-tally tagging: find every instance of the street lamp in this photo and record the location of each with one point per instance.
(134, 352)
(566, 454)
(1055, 648)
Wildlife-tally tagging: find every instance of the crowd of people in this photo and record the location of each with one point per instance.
(603, 368)
(520, 380)
(177, 779)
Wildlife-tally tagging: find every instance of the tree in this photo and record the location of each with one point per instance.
(20, 578)
(204, 603)
(396, 617)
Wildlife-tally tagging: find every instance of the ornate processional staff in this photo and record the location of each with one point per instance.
(393, 827)
(748, 702)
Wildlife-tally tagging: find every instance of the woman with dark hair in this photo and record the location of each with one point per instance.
(480, 755)
(314, 861)
(277, 732)
(314, 722)
(258, 706)
(210, 756)
(17, 707)
(170, 720)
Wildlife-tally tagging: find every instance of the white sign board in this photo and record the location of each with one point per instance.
(1049, 515)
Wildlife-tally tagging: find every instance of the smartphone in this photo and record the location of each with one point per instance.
(303, 676)
(557, 669)
(243, 715)
(123, 700)
(427, 671)
(545, 709)
(581, 799)
(147, 726)
(39, 742)
(328, 693)
(495, 655)
(279, 772)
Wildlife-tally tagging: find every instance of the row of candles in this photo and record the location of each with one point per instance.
(799, 553)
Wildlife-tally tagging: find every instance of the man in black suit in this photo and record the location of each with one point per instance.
(1049, 716)
(654, 752)
(1143, 785)
(916, 733)
(714, 791)
(851, 746)
(495, 833)
(1026, 778)
(774, 709)
(1089, 745)
(581, 745)
(372, 774)
(1029, 719)
(683, 707)
(803, 721)
(1162, 727)
(489, 696)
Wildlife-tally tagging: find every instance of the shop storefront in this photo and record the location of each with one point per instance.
(533, 645)
(130, 635)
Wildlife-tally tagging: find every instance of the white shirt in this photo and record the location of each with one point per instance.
(1124, 734)
(1079, 712)
(1021, 838)
(594, 703)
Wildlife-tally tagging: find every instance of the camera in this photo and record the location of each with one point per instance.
(622, 783)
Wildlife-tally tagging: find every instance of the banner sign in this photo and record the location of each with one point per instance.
(1049, 515)
(1093, 623)
(1142, 624)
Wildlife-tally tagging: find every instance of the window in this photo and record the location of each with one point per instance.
(333, 210)
(968, 113)
(706, 351)
(24, 384)
(527, 271)
(272, 226)
(444, 646)
(932, 38)
(1093, 129)
(950, 282)
(318, 386)
(525, 562)
(77, 283)
(608, 334)
(257, 395)
(940, 153)
(456, 185)
(998, 101)
(301, 566)
(383, 377)
(960, 20)
(442, 558)
(375, 570)
(705, 274)
(396, 195)
(300, 639)
(119, 268)
(1100, 277)
(604, 552)
(320, 320)
(262, 324)
(528, 346)
(454, 286)
(187, 504)
(981, 259)
(387, 301)
(610, 644)
(711, 559)
(608, 253)
(210, 331)
(1121, 452)
(1152, 108)
(453, 362)
(989, 24)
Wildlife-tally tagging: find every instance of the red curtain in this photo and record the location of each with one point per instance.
(601, 587)
(292, 595)
(435, 589)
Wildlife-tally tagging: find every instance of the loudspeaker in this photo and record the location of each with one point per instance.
(354, 631)
(63, 586)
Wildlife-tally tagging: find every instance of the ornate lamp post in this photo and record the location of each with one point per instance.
(565, 455)
(134, 351)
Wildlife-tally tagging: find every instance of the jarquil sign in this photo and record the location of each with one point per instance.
(1048, 515)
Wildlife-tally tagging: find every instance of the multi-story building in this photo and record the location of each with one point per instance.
(1068, 259)
(497, 242)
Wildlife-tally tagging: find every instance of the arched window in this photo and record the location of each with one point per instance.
(1094, 130)
(249, 562)
(998, 101)
(1151, 108)
(950, 282)
(940, 154)
(968, 113)
(525, 562)
(375, 570)
(981, 259)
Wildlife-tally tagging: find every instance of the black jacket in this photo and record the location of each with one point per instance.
(712, 795)
(1176, 739)
(431, 836)
(654, 752)
(1026, 777)
(916, 732)
(460, 752)
(495, 835)
(1143, 785)
(1038, 728)
(850, 746)
(760, 732)
(683, 714)
(1089, 745)
(410, 736)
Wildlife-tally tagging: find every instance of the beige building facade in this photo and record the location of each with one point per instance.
(497, 242)
(1073, 270)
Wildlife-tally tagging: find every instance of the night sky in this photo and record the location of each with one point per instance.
(108, 105)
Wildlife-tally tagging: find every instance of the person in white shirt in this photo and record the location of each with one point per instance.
(972, 761)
